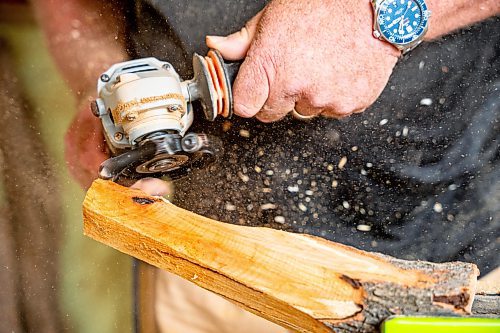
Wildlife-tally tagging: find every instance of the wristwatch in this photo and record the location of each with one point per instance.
(402, 23)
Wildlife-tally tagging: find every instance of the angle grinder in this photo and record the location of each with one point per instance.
(146, 111)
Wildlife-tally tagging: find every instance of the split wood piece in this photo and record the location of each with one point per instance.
(301, 282)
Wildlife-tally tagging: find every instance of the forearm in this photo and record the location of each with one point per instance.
(85, 38)
(449, 15)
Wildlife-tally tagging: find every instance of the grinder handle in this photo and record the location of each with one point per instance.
(232, 69)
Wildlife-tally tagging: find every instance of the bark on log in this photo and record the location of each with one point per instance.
(301, 282)
(487, 299)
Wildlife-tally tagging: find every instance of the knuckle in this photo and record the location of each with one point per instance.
(372, 99)
(344, 110)
(317, 99)
(339, 110)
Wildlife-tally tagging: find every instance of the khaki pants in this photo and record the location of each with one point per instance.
(183, 307)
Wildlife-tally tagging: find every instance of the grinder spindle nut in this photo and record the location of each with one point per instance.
(191, 143)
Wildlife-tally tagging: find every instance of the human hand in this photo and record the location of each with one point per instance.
(318, 57)
(86, 150)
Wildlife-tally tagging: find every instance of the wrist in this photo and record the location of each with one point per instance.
(401, 24)
(450, 15)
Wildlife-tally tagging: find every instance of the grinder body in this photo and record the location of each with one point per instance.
(146, 111)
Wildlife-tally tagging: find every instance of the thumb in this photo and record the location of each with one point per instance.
(235, 46)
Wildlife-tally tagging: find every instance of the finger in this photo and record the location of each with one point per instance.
(277, 106)
(154, 186)
(270, 117)
(340, 112)
(236, 45)
(305, 109)
(251, 87)
(324, 103)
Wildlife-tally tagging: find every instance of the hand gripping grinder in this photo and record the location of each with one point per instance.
(146, 111)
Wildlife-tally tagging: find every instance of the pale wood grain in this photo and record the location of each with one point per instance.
(301, 282)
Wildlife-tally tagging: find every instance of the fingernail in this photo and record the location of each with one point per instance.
(216, 39)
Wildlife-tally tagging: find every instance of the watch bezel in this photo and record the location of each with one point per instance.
(405, 47)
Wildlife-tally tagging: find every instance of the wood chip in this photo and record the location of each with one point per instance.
(426, 102)
(244, 178)
(267, 206)
(230, 207)
(363, 227)
(226, 126)
(279, 219)
(244, 133)
(342, 162)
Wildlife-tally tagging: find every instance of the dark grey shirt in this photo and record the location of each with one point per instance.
(419, 181)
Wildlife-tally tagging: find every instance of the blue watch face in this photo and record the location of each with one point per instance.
(402, 21)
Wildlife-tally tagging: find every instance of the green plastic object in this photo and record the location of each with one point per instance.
(403, 324)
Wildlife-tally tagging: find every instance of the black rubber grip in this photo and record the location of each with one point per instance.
(232, 69)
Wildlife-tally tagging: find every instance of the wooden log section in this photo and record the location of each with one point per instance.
(301, 282)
